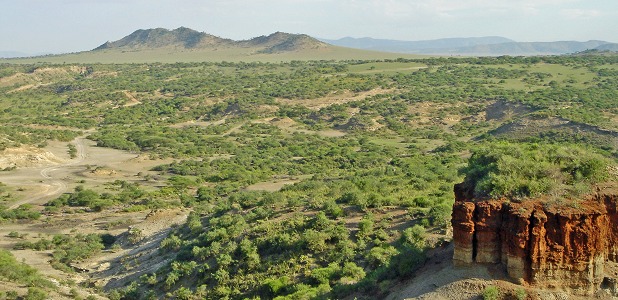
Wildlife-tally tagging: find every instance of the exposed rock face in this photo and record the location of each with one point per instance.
(538, 243)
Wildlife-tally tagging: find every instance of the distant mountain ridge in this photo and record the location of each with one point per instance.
(187, 38)
(187, 45)
(413, 46)
(491, 45)
(12, 54)
(608, 47)
(531, 48)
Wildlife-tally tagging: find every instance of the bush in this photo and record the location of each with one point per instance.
(351, 273)
(381, 255)
(35, 294)
(414, 236)
(277, 286)
(491, 293)
(9, 295)
(520, 294)
(441, 214)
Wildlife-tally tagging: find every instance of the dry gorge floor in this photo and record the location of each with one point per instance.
(44, 174)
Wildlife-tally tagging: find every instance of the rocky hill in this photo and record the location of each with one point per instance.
(186, 38)
(160, 37)
(282, 42)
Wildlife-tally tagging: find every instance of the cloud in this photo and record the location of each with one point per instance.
(580, 13)
(446, 8)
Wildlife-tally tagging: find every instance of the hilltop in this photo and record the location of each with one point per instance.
(161, 37)
(186, 38)
(187, 45)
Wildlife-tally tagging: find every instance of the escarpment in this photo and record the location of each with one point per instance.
(539, 243)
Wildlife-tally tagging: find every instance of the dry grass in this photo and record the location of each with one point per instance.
(169, 55)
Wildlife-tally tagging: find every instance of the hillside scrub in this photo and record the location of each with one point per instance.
(359, 165)
(23, 212)
(13, 271)
(67, 248)
(530, 170)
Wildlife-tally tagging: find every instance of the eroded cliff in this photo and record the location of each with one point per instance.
(540, 242)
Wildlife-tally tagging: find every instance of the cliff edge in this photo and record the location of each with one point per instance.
(539, 242)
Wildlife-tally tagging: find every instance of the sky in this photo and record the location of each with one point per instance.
(62, 26)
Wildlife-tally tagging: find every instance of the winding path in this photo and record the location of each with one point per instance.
(54, 186)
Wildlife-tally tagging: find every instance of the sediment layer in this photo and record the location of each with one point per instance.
(539, 243)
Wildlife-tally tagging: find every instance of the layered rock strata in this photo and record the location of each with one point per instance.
(539, 243)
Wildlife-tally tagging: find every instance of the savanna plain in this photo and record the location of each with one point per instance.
(324, 179)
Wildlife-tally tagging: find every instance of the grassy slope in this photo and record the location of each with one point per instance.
(171, 55)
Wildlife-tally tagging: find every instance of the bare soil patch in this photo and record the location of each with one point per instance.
(501, 110)
(199, 123)
(27, 156)
(289, 125)
(139, 250)
(345, 97)
(40, 76)
(43, 174)
(132, 99)
(276, 184)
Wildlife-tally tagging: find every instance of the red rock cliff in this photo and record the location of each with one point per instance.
(539, 243)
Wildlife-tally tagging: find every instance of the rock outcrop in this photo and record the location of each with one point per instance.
(544, 243)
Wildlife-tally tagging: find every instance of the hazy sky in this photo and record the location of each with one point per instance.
(74, 25)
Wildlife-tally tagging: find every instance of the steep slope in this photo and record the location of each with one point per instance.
(549, 246)
(160, 37)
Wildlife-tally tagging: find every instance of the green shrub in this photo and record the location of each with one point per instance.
(9, 295)
(277, 286)
(529, 170)
(14, 271)
(381, 255)
(35, 294)
(351, 273)
(491, 293)
(414, 236)
(520, 294)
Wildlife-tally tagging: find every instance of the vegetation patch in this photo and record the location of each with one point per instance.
(530, 170)
(11, 270)
(305, 179)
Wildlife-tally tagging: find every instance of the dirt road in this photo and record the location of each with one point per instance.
(50, 185)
